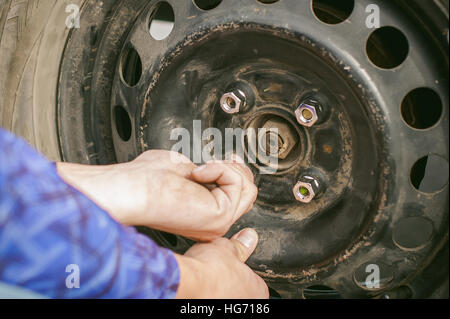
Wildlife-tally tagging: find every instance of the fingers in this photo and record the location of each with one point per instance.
(245, 243)
(241, 245)
(240, 164)
(167, 160)
(249, 188)
(235, 185)
(229, 182)
(224, 260)
(217, 172)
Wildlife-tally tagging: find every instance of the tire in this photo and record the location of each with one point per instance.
(33, 40)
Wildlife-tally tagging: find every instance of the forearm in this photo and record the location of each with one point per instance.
(48, 225)
(111, 261)
(95, 182)
(86, 179)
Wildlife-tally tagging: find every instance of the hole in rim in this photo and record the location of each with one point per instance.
(131, 67)
(207, 4)
(123, 123)
(373, 276)
(430, 174)
(162, 21)
(332, 11)
(268, 1)
(422, 108)
(387, 47)
(320, 292)
(412, 233)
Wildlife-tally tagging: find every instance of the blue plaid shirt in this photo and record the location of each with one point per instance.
(52, 237)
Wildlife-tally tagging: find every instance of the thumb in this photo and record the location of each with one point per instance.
(245, 243)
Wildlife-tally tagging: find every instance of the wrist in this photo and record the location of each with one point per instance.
(90, 180)
(192, 278)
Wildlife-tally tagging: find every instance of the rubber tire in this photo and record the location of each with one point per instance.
(33, 34)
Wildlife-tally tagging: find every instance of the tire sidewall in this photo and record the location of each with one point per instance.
(31, 47)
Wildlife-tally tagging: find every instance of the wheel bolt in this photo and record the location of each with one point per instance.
(307, 188)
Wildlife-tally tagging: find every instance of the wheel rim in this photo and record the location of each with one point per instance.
(370, 204)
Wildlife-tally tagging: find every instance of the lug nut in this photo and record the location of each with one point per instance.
(233, 102)
(309, 113)
(306, 189)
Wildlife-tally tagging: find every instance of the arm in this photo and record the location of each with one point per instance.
(46, 225)
(200, 266)
(165, 191)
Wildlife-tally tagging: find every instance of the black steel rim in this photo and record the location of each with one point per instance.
(378, 154)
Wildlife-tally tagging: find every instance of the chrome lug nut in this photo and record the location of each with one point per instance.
(233, 102)
(309, 113)
(306, 189)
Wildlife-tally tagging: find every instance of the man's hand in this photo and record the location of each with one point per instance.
(166, 191)
(218, 269)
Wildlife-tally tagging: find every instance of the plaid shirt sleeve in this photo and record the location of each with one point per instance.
(50, 233)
